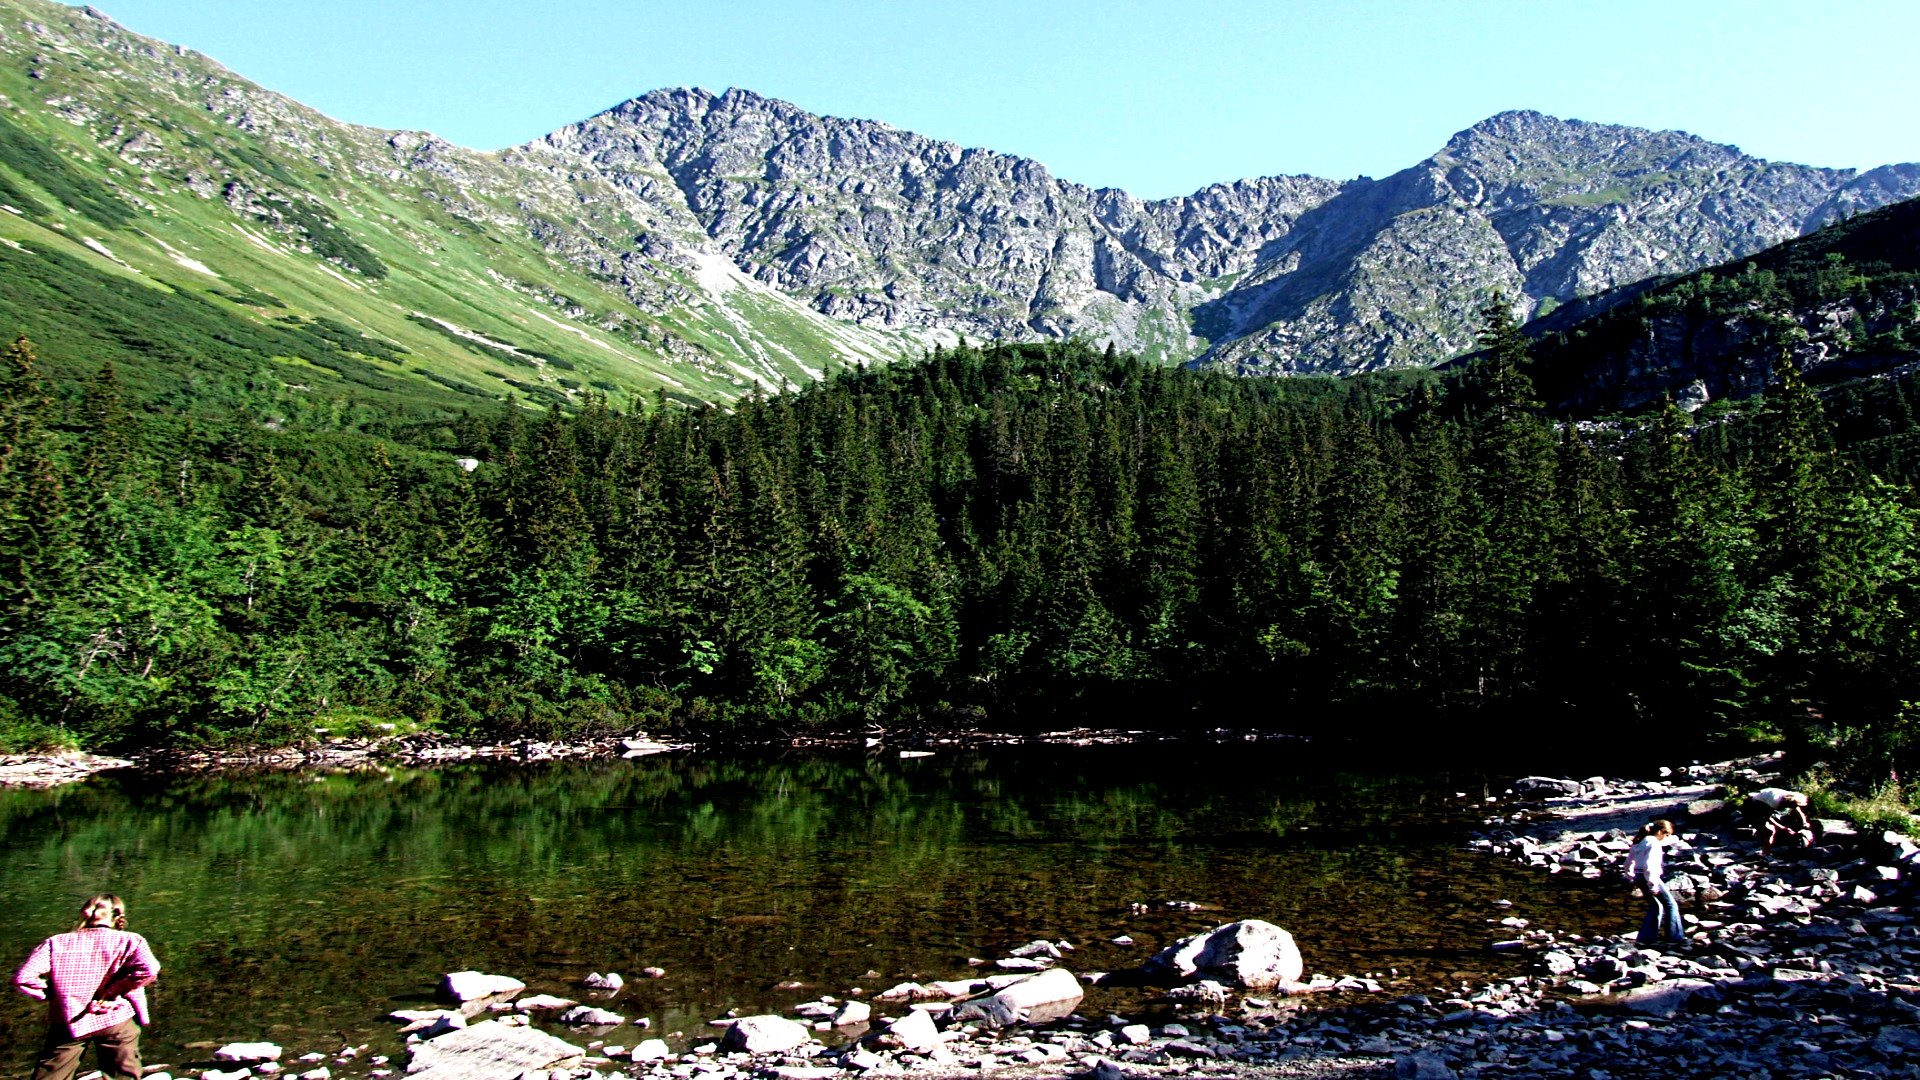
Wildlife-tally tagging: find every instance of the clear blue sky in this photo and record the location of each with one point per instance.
(1157, 98)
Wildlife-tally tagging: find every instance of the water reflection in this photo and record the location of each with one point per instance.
(300, 908)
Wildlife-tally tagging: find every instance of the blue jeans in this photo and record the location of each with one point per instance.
(1663, 912)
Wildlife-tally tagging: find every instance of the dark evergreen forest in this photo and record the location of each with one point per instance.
(1005, 537)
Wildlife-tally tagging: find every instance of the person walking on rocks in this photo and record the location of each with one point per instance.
(1647, 863)
(92, 979)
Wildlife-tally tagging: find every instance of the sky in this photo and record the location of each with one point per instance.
(1157, 98)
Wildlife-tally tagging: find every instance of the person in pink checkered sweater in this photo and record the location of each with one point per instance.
(92, 979)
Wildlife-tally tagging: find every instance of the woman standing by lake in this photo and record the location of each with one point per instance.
(1647, 864)
(92, 980)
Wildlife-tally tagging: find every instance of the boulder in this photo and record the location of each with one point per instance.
(652, 1050)
(430, 1022)
(915, 1031)
(465, 986)
(489, 1051)
(248, 1052)
(1421, 1066)
(588, 1016)
(851, 1013)
(765, 1035)
(544, 1001)
(1548, 785)
(1249, 954)
(1664, 998)
(610, 981)
(1037, 999)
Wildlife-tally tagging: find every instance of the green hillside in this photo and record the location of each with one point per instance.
(222, 244)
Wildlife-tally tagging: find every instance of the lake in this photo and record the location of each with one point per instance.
(302, 907)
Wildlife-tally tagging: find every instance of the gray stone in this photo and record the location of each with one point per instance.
(1037, 999)
(765, 1035)
(915, 1031)
(588, 1016)
(1548, 785)
(1664, 998)
(1250, 954)
(490, 1051)
(1421, 1066)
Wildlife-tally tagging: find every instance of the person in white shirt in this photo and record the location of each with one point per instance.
(1647, 864)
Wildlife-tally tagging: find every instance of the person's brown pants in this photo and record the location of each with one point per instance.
(117, 1048)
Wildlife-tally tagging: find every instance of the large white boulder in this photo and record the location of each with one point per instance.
(1036, 999)
(1250, 954)
(490, 1051)
(915, 1031)
(765, 1035)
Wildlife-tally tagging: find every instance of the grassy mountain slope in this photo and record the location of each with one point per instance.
(208, 234)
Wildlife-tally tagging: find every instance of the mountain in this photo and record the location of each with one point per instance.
(1278, 274)
(703, 245)
(1845, 299)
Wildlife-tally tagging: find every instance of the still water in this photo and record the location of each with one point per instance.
(300, 908)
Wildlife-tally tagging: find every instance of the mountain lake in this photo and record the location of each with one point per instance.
(302, 907)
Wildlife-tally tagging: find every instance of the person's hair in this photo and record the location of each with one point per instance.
(103, 910)
(1655, 828)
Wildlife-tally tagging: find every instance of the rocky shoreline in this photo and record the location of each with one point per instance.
(426, 749)
(1798, 965)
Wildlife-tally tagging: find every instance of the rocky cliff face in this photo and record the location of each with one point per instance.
(884, 227)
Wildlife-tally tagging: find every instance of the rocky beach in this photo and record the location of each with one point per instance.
(1798, 964)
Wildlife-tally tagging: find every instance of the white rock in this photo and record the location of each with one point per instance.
(907, 991)
(588, 1016)
(321, 1073)
(248, 1052)
(853, 1012)
(765, 1035)
(1036, 999)
(1137, 1034)
(464, 986)
(915, 1031)
(236, 1074)
(610, 981)
(490, 1050)
(544, 1001)
(1021, 963)
(652, 1050)
(1252, 954)
(423, 1019)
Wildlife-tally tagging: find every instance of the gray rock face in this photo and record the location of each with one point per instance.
(1250, 953)
(885, 227)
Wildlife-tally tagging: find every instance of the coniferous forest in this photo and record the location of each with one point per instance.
(999, 537)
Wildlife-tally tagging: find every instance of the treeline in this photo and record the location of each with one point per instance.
(1006, 536)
